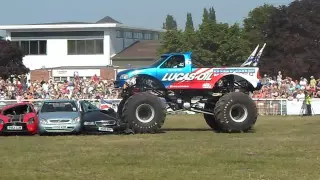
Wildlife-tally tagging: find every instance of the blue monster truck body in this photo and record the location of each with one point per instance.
(175, 78)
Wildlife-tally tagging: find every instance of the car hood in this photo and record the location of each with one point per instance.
(59, 115)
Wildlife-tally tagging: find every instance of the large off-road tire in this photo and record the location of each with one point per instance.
(144, 113)
(210, 119)
(235, 112)
(120, 107)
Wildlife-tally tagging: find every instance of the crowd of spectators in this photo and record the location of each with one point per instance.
(287, 88)
(93, 88)
(97, 88)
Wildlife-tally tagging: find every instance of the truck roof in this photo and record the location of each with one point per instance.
(177, 53)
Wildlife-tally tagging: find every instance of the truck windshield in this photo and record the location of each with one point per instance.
(159, 61)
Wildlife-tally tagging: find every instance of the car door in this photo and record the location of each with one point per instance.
(173, 71)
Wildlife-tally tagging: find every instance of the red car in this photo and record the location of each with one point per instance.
(19, 118)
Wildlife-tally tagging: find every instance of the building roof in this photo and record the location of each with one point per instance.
(106, 22)
(108, 19)
(68, 22)
(146, 49)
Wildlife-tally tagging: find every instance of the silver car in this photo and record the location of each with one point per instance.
(59, 116)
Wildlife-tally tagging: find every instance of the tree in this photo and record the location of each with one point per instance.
(170, 23)
(293, 40)
(213, 44)
(189, 23)
(255, 22)
(172, 39)
(190, 35)
(233, 47)
(220, 44)
(11, 60)
(205, 15)
(212, 15)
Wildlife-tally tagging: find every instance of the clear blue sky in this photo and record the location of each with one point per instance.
(141, 13)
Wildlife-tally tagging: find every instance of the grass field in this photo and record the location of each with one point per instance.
(280, 148)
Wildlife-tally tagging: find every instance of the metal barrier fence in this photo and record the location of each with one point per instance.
(271, 106)
(265, 106)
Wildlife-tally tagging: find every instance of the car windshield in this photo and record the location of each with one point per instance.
(89, 107)
(59, 107)
(159, 61)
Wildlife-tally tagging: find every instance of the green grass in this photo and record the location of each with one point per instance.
(280, 148)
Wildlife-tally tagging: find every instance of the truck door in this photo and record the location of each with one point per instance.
(173, 71)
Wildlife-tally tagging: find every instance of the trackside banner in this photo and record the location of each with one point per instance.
(265, 106)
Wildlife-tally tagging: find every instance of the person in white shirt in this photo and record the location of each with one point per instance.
(302, 82)
(300, 95)
(2, 95)
(45, 87)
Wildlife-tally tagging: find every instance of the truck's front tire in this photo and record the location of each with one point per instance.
(235, 112)
(120, 107)
(210, 119)
(144, 113)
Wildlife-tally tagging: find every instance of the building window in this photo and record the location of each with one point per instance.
(85, 47)
(156, 37)
(128, 35)
(32, 47)
(64, 79)
(138, 35)
(119, 34)
(57, 34)
(147, 36)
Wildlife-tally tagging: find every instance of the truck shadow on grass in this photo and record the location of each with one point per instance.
(186, 129)
(164, 130)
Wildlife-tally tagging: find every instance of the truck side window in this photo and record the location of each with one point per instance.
(176, 61)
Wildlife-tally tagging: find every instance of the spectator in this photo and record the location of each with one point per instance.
(300, 95)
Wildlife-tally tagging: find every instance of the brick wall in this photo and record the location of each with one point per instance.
(39, 75)
(107, 73)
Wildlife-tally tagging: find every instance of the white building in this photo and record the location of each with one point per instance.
(70, 44)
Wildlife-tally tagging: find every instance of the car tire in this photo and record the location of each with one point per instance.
(235, 112)
(144, 113)
(42, 134)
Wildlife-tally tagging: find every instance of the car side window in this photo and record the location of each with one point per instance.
(175, 61)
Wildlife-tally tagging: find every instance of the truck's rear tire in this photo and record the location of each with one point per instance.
(144, 113)
(235, 112)
(210, 119)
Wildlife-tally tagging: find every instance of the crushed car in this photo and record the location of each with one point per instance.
(96, 120)
(19, 118)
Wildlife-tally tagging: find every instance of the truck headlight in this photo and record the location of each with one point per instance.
(124, 76)
(131, 81)
(43, 121)
(76, 120)
(1, 121)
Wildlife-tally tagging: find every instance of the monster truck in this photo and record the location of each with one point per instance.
(174, 80)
